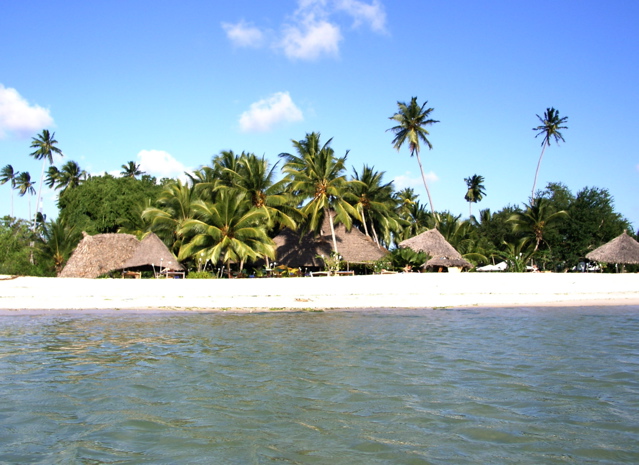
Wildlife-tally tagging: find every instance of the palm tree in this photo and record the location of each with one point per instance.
(25, 186)
(475, 192)
(174, 208)
(229, 230)
(535, 221)
(45, 146)
(551, 123)
(58, 242)
(131, 170)
(375, 203)
(413, 120)
(316, 174)
(8, 175)
(70, 176)
(252, 175)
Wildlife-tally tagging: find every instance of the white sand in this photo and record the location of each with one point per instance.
(411, 290)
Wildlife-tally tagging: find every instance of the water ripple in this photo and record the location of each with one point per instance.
(411, 387)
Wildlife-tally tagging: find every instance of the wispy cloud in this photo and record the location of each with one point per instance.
(244, 35)
(265, 114)
(407, 180)
(18, 117)
(313, 30)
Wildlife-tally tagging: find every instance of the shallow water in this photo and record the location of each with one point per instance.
(523, 386)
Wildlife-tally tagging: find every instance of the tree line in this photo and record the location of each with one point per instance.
(229, 210)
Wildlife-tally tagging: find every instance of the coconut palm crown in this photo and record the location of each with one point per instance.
(413, 120)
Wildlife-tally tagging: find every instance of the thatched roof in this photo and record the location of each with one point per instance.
(354, 246)
(432, 243)
(152, 251)
(102, 253)
(622, 249)
(448, 263)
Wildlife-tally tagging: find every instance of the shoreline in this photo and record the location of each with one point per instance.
(45, 296)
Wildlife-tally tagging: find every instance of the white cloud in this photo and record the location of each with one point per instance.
(243, 35)
(263, 115)
(373, 14)
(407, 180)
(18, 117)
(310, 39)
(312, 31)
(160, 164)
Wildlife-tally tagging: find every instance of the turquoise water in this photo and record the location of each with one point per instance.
(520, 386)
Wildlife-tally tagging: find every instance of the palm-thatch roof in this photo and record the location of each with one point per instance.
(102, 253)
(436, 246)
(432, 243)
(353, 246)
(622, 249)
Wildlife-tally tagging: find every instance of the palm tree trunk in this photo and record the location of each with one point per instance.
(375, 234)
(39, 194)
(361, 209)
(543, 149)
(330, 217)
(421, 169)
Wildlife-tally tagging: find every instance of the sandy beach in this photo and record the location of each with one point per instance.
(28, 295)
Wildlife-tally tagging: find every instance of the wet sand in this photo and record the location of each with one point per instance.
(28, 295)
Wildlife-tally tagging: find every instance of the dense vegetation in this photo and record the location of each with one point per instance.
(228, 211)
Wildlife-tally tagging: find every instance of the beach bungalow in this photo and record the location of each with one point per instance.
(353, 246)
(103, 253)
(444, 257)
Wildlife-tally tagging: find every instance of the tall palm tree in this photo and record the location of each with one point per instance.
(131, 170)
(7, 175)
(318, 177)
(25, 186)
(551, 123)
(412, 121)
(45, 146)
(475, 192)
(375, 203)
(228, 230)
(536, 220)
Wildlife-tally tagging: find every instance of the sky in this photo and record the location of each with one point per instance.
(170, 84)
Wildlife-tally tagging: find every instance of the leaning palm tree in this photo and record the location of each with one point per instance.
(25, 186)
(7, 175)
(229, 230)
(475, 192)
(131, 170)
(536, 220)
(413, 120)
(45, 146)
(318, 177)
(551, 123)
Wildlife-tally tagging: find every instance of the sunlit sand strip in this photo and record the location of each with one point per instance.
(411, 290)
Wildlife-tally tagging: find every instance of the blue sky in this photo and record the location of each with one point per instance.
(170, 84)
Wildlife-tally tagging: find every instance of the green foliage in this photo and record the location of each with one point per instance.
(17, 249)
(103, 204)
(403, 258)
(200, 275)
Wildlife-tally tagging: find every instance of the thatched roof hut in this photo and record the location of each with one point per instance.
(622, 249)
(435, 245)
(354, 246)
(432, 243)
(102, 253)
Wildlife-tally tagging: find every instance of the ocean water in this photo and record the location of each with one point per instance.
(520, 386)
